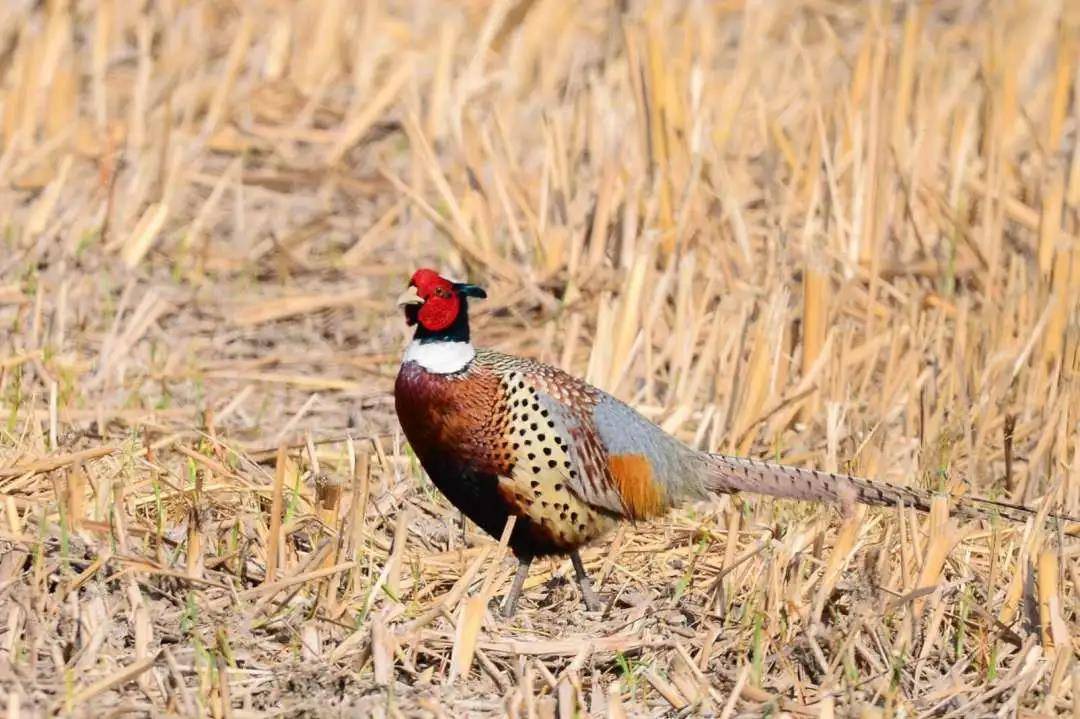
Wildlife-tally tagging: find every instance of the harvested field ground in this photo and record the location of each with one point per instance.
(835, 234)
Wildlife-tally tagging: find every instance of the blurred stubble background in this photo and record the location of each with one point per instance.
(836, 234)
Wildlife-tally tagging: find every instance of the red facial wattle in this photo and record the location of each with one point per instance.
(441, 303)
(439, 311)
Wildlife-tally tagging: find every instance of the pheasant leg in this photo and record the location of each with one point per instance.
(510, 605)
(587, 593)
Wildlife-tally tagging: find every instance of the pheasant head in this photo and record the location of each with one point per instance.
(439, 309)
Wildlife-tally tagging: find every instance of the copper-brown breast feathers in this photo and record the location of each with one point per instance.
(460, 415)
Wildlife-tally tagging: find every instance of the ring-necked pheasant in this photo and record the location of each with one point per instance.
(501, 436)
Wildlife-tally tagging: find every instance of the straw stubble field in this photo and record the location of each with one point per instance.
(828, 233)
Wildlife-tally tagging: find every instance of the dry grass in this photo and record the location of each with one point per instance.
(831, 233)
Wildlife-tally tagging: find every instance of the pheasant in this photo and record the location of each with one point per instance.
(501, 436)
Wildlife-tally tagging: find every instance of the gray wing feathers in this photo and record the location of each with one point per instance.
(680, 470)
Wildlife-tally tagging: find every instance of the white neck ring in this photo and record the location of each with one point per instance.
(440, 357)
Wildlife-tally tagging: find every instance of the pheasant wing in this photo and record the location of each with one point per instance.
(607, 454)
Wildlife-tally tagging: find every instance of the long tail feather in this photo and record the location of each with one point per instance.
(738, 474)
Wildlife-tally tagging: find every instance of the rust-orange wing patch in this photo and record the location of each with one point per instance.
(633, 478)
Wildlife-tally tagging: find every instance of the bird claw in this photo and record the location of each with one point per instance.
(508, 608)
(592, 603)
(510, 605)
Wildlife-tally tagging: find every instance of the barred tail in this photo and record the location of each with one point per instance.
(738, 474)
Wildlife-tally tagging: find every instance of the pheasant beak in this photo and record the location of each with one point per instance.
(409, 297)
